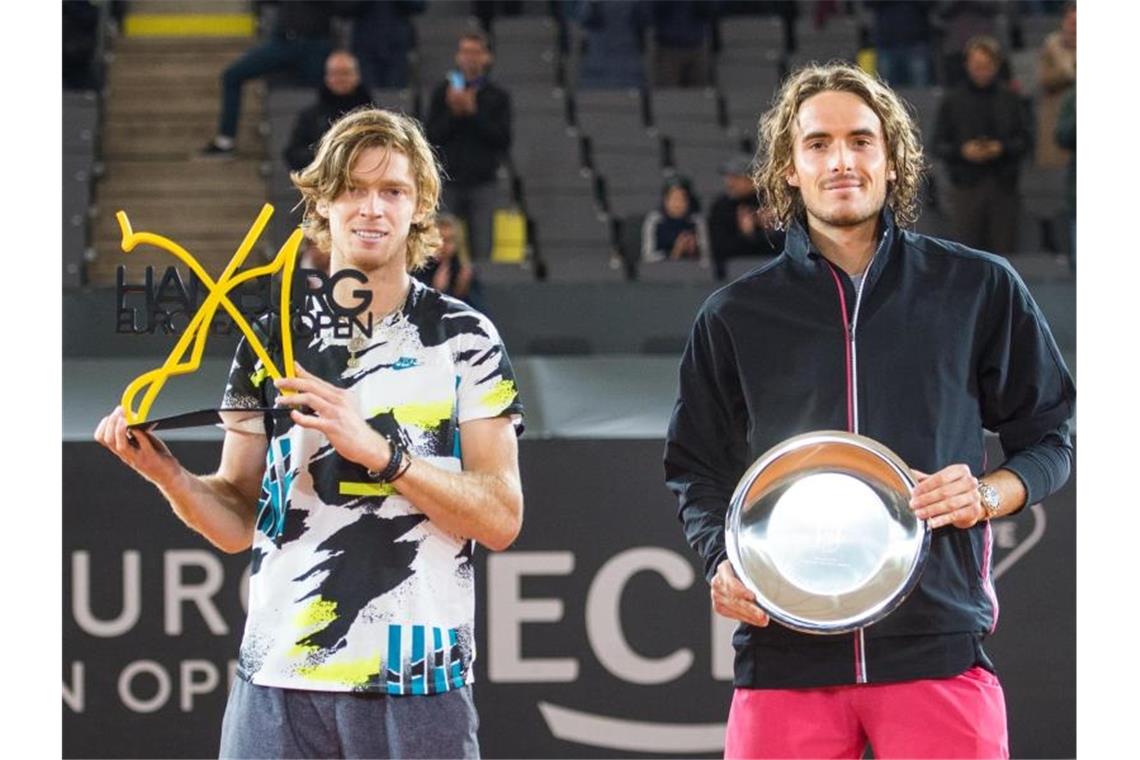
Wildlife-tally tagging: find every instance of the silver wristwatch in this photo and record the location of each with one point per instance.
(991, 499)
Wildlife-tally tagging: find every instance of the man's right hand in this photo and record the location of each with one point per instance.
(733, 600)
(460, 102)
(141, 451)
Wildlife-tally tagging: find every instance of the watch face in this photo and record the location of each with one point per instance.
(990, 498)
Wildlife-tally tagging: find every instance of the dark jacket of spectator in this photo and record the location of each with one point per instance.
(682, 24)
(899, 23)
(729, 241)
(382, 37)
(970, 112)
(305, 20)
(471, 146)
(315, 120)
(80, 38)
(613, 43)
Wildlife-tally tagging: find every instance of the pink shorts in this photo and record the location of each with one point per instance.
(960, 717)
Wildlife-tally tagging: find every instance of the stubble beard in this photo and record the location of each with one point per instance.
(847, 219)
(850, 217)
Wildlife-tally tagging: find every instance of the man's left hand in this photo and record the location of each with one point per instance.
(337, 416)
(948, 497)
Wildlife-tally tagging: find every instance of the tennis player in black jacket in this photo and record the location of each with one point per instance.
(916, 342)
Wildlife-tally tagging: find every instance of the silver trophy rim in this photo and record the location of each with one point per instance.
(736, 506)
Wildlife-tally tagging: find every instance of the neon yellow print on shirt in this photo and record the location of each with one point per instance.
(500, 396)
(427, 415)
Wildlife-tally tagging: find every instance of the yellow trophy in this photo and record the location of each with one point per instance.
(186, 355)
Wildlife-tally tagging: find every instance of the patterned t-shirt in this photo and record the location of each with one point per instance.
(352, 588)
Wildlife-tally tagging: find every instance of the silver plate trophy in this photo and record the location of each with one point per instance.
(820, 529)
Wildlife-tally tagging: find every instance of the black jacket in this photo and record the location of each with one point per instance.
(314, 121)
(969, 112)
(729, 242)
(305, 20)
(946, 341)
(471, 146)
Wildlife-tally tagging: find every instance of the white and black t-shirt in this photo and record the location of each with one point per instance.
(352, 588)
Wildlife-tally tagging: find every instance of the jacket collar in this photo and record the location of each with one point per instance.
(798, 245)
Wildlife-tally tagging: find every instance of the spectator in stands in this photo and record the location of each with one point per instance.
(1066, 137)
(451, 271)
(676, 230)
(959, 22)
(80, 40)
(338, 94)
(981, 134)
(469, 122)
(681, 30)
(612, 44)
(300, 42)
(1057, 74)
(737, 226)
(901, 36)
(382, 37)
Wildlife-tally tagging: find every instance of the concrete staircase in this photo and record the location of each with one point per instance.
(161, 107)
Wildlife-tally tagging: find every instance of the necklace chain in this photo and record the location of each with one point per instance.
(358, 342)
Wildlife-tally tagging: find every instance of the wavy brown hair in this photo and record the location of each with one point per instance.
(776, 137)
(329, 173)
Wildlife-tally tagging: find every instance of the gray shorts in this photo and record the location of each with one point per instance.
(266, 722)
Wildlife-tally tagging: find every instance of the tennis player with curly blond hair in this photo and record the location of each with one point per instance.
(922, 344)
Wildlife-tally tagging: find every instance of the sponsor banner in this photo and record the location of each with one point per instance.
(595, 635)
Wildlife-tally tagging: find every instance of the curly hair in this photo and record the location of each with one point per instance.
(328, 175)
(775, 139)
